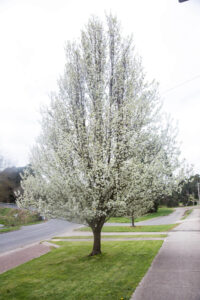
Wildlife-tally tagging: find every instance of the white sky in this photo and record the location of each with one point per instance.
(32, 38)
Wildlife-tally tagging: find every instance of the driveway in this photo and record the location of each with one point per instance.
(170, 219)
(34, 233)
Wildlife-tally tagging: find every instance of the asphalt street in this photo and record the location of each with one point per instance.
(175, 272)
(34, 233)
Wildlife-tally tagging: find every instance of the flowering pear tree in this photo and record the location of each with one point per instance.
(94, 133)
(156, 169)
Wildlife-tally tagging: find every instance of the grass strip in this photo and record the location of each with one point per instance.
(187, 213)
(114, 236)
(8, 229)
(144, 228)
(68, 273)
(13, 228)
(13, 219)
(162, 211)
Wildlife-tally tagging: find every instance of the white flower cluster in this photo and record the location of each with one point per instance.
(102, 148)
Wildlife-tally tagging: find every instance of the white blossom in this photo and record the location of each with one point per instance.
(102, 148)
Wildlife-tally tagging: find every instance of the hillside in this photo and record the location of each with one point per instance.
(9, 181)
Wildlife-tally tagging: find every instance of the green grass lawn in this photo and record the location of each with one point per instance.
(13, 218)
(113, 236)
(187, 213)
(144, 228)
(162, 211)
(68, 273)
(8, 229)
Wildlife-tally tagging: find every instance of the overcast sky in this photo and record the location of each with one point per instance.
(33, 35)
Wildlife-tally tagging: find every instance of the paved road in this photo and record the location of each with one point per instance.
(175, 272)
(170, 219)
(34, 233)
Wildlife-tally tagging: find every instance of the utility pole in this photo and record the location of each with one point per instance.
(198, 187)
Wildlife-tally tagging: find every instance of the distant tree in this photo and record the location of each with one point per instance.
(186, 185)
(189, 190)
(99, 135)
(10, 183)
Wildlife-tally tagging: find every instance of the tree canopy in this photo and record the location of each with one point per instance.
(103, 146)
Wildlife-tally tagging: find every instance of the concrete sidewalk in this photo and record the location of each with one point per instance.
(175, 272)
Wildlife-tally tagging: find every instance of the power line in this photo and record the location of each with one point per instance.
(180, 84)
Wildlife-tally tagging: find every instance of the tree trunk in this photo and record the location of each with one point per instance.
(132, 220)
(97, 242)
